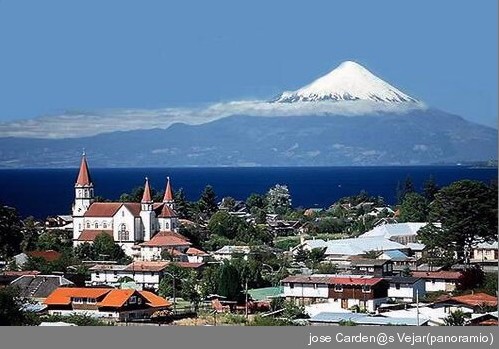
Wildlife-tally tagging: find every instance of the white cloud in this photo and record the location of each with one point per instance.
(71, 125)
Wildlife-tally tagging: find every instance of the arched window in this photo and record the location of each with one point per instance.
(104, 225)
(88, 225)
(96, 225)
(167, 226)
(123, 233)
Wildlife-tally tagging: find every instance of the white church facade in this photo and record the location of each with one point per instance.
(136, 227)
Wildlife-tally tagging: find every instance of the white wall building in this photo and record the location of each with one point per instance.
(406, 289)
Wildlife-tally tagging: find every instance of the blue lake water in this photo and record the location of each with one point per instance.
(44, 192)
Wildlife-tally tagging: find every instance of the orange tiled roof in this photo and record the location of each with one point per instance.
(477, 299)
(49, 255)
(20, 272)
(195, 251)
(167, 212)
(90, 235)
(146, 197)
(146, 266)
(166, 238)
(116, 298)
(154, 300)
(103, 209)
(62, 295)
(168, 192)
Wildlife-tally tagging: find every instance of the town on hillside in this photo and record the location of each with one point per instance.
(154, 258)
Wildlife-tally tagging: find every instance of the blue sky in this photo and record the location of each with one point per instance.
(59, 56)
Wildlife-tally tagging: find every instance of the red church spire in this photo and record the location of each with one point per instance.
(168, 192)
(83, 175)
(147, 192)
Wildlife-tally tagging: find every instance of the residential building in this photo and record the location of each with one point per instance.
(147, 275)
(476, 302)
(39, 287)
(340, 291)
(439, 280)
(226, 252)
(374, 267)
(107, 303)
(337, 319)
(402, 233)
(406, 288)
(486, 252)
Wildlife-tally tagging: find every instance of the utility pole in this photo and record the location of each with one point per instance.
(417, 307)
(246, 303)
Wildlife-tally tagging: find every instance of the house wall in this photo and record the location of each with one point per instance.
(439, 285)
(485, 254)
(306, 290)
(407, 292)
(109, 277)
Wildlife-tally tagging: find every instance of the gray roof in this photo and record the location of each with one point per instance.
(403, 280)
(357, 246)
(366, 262)
(104, 267)
(396, 255)
(396, 229)
(39, 286)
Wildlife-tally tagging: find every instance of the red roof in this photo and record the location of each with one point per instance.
(103, 209)
(477, 299)
(446, 275)
(165, 239)
(134, 208)
(195, 251)
(20, 272)
(83, 174)
(188, 264)
(147, 266)
(168, 192)
(49, 255)
(146, 197)
(90, 235)
(166, 212)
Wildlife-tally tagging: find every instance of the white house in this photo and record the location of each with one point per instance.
(406, 289)
(226, 252)
(146, 274)
(486, 252)
(439, 280)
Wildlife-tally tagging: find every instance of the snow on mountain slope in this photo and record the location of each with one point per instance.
(348, 82)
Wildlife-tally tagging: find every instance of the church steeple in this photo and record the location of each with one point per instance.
(168, 197)
(84, 196)
(146, 197)
(83, 175)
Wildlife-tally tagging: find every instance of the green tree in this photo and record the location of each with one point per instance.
(10, 232)
(316, 256)
(404, 188)
(278, 199)
(467, 211)
(85, 252)
(230, 283)
(414, 208)
(106, 249)
(181, 204)
(256, 201)
(430, 188)
(11, 313)
(456, 318)
(210, 280)
(208, 202)
(301, 255)
(30, 234)
(223, 224)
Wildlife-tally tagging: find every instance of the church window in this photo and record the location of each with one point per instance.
(96, 225)
(88, 225)
(122, 213)
(123, 232)
(104, 225)
(167, 226)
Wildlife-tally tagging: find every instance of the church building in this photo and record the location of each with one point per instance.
(131, 224)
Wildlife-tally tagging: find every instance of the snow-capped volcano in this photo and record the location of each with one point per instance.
(348, 82)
